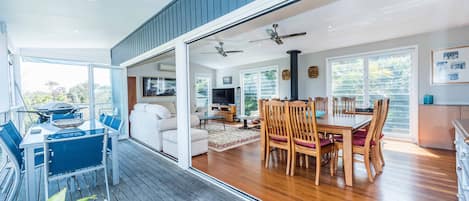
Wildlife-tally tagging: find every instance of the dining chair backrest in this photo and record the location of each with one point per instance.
(303, 125)
(371, 132)
(382, 118)
(65, 116)
(275, 116)
(348, 104)
(68, 151)
(10, 147)
(321, 104)
(335, 105)
(13, 132)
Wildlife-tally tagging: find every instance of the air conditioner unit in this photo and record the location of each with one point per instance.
(167, 67)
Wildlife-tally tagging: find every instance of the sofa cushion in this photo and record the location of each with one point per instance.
(196, 135)
(168, 105)
(140, 107)
(161, 111)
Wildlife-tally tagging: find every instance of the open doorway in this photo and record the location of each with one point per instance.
(152, 103)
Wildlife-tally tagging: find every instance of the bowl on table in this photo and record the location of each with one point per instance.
(68, 123)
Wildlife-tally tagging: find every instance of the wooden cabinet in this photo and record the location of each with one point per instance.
(228, 111)
(435, 125)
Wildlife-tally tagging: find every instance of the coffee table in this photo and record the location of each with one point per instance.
(206, 118)
(245, 120)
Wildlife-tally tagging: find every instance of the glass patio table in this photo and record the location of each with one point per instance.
(34, 140)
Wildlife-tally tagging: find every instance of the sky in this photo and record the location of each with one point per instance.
(34, 76)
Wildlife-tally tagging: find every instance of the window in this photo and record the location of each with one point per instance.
(258, 84)
(202, 91)
(373, 76)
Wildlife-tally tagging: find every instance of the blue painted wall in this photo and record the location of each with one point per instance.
(177, 18)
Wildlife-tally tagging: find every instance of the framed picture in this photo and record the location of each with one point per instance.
(227, 80)
(159, 86)
(450, 66)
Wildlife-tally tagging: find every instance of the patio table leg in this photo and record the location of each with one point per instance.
(31, 190)
(115, 160)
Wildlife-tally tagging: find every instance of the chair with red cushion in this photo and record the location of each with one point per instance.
(305, 137)
(276, 130)
(366, 146)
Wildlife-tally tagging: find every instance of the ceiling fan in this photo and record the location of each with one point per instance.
(274, 36)
(220, 50)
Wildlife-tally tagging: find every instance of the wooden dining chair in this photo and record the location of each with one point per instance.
(276, 129)
(365, 146)
(322, 104)
(305, 138)
(348, 104)
(260, 104)
(379, 134)
(335, 106)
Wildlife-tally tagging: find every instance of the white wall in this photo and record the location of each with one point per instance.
(444, 94)
(99, 56)
(282, 63)
(151, 70)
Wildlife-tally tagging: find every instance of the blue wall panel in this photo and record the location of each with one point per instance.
(177, 18)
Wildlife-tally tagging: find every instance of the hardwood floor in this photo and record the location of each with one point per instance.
(411, 173)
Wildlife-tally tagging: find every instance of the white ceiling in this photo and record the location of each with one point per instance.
(74, 23)
(338, 24)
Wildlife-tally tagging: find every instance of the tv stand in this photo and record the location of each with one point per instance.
(227, 111)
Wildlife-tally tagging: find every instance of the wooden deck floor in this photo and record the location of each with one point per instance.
(411, 173)
(144, 177)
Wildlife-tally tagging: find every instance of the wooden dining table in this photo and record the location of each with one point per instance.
(345, 125)
(340, 124)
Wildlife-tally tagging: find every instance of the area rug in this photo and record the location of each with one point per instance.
(221, 140)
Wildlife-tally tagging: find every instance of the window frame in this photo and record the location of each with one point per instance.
(258, 71)
(413, 96)
(209, 88)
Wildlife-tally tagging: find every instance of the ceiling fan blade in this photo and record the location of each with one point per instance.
(234, 51)
(293, 35)
(259, 40)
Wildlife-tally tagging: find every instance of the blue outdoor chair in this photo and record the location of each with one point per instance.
(14, 165)
(102, 116)
(114, 127)
(74, 152)
(107, 120)
(16, 137)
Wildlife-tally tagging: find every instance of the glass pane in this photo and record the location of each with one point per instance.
(202, 87)
(268, 84)
(49, 82)
(348, 79)
(250, 92)
(389, 76)
(102, 91)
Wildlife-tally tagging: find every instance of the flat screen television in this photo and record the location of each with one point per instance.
(224, 96)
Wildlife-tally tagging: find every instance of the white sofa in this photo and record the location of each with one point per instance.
(147, 126)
